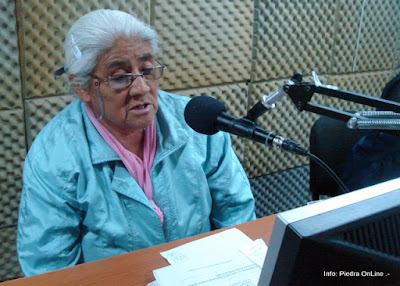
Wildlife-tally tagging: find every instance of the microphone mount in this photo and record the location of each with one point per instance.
(301, 94)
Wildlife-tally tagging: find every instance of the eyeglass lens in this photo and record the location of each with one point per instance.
(125, 80)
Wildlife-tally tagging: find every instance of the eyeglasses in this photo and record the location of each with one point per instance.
(121, 81)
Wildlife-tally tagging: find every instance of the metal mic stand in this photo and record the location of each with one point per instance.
(301, 94)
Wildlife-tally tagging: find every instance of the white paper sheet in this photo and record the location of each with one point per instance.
(228, 258)
(216, 245)
(256, 251)
(236, 270)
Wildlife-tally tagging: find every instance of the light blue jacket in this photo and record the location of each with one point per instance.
(79, 202)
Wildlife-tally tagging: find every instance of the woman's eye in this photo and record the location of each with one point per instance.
(147, 71)
(119, 78)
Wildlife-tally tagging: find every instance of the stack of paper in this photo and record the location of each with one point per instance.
(226, 258)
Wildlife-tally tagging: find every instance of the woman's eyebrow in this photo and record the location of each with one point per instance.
(124, 63)
(117, 64)
(145, 57)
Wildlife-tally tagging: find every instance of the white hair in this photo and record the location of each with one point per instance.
(95, 33)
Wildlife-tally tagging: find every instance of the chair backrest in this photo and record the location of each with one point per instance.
(330, 140)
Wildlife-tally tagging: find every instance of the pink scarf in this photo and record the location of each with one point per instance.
(138, 169)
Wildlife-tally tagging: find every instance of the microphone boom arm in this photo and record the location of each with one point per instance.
(301, 93)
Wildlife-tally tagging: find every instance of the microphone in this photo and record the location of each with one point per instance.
(207, 115)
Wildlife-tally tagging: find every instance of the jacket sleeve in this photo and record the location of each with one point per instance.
(48, 236)
(233, 201)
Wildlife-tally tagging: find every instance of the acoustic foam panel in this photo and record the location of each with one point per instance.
(10, 85)
(204, 43)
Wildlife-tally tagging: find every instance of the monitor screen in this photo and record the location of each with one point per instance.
(351, 239)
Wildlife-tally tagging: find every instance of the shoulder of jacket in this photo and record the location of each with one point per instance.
(167, 97)
(63, 129)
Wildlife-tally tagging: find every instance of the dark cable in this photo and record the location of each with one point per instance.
(330, 171)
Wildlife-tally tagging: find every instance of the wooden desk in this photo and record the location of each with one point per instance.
(134, 268)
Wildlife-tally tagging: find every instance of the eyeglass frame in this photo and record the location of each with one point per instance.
(133, 76)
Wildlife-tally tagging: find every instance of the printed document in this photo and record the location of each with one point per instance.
(236, 270)
(228, 258)
(211, 246)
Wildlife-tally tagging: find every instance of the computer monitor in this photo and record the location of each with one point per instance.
(351, 239)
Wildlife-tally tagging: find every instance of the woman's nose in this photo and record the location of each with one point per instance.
(139, 86)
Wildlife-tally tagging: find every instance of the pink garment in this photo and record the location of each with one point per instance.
(138, 169)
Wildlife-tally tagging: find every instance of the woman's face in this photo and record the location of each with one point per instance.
(132, 108)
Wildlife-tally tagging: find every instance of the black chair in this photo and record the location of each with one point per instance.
(330, 140)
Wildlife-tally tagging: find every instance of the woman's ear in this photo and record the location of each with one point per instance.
(83, 93)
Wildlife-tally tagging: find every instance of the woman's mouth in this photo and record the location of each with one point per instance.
(141, 108)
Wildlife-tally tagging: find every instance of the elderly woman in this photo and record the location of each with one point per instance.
(119, 169)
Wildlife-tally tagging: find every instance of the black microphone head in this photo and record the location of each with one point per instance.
(201, 113)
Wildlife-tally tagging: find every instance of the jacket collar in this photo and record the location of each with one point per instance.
(172, 130)
(100, 151)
